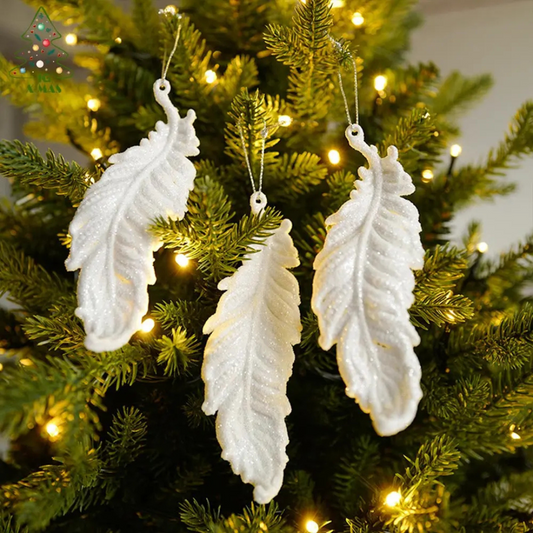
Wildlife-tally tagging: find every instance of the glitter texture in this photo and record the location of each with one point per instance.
(110, 239)
(363, 288)
(248, 361)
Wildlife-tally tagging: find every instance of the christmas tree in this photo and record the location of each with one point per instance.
(45, 56)
(117, 441)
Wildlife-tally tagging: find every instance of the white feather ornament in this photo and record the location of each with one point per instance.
(248, 361)
(110, 239)
(363, 288)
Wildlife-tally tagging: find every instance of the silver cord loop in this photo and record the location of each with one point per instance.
(166, 62)
(264, 135)
(338, 45)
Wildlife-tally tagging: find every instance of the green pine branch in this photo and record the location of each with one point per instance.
(339, 186)
(207, 234)
(503, 279)
(251, 114)
(30, 391)
(442, 307)
(9, 525)
(181, 313)
(24, 163)
(421, 486)
(244, 21)
(357, 473)
(415, 138)
(188, 67)
(127, 437)
(27, 283)
(50, 492)
(507, 343)
(146, 21)
(240, 73)
(306, 47)
(257, 518)
(483, 181)
(456, 93)
(435, 301)
(293, 176)
(177, 353)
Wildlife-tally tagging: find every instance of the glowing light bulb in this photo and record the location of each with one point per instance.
(171, 9)
(118, 40)
(182, 260)
(284, 121)
(393, 499)
(311, 526)
(515, 436)
(71, 39)
(59, 70)
(1, 367)
(52, 429)
(35, 48)
(427, 175)
(482, 247)
(93, 104)
(358, 19)
(337, 3)
(455, 150)
(210, 76)
(334, 157)
(96, 154)
(380, 82)
(147, 325)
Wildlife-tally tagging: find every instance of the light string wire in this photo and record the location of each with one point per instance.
(338, 45)
(166, 62)
(264, 135)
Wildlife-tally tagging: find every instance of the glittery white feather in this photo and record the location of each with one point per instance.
(363, 288)
(111, 243)
(248, 361)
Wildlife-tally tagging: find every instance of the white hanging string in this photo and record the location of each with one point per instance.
(264, 135)
(258, 200)
(356, 88)
(166, 62)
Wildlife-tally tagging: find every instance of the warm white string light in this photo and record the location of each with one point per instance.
(455, 150)
(311, 526)
(380, 82)
(393, 499)
(284, 121)
(334, 157)
(147, 325)
(52, 429)
(427, 175)
(170, 9)
(358, 19)
(482, 247)
(210, 76)
(93, 104)
(182, 260)
(71, 39)
(96, 154)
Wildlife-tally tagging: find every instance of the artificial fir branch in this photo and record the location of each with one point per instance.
(134, 444)
(27, 283)
(24, 163)
(208, 236)
(177, 353)
(457, 93)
